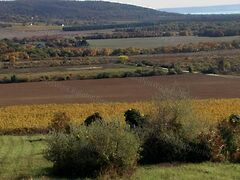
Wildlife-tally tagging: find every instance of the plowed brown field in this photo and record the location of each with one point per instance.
(126, 89)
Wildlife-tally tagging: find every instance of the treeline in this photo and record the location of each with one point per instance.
(53, 41)
(106, 26)
(207, 29)
(11, 51)
(119, 34)
(4, 25)
(176, 28)
(219, 32)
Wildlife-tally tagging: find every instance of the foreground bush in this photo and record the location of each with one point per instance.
(225, 140)
(91, 151)
(173, 133)
(96, 117)
(134, 118)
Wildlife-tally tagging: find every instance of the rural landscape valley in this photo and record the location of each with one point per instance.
(106, 90)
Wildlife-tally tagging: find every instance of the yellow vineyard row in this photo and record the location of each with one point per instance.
(39, 116)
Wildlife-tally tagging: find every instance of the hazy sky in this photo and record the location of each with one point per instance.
(177, 3)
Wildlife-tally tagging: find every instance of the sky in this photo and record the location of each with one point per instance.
(157, 4)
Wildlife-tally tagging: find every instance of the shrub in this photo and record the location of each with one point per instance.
(103, 75)
(128, 74)
(91, 151)
(96, 117)
(229, 131)
(171, 71)
(224, 140)
(123, 58)
(60, 122)
(216, 144)
(178, 69)
(234, 120)
(13, 78)
(210, 70)
(160, 147)
(224, 65)
(172, 133)
(190, 69)
(134, 118)
(198, 150)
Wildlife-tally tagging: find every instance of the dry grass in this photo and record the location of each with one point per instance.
(154, 42)
(39, 116)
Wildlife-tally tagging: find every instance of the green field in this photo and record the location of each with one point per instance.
(28, 27)
(22, 157)
(73, 73)
(201, 171)
(155, 41)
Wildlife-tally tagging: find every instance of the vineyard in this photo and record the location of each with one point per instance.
(39, 116)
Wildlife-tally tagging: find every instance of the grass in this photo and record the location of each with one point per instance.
(81, 72)
(20, 158)
(19, 31)
(189, 171)
(155, 41)
(28, 27)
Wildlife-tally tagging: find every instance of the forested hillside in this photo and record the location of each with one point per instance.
(49, 10)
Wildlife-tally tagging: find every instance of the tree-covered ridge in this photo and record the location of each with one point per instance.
(22, 10)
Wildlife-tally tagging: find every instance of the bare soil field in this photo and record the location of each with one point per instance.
(110, 90)
(22, 33)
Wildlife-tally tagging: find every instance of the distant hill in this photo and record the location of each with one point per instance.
(222, 9)
(46, 10)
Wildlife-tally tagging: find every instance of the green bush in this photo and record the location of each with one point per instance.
(161, 147)
(178, 69)
(96, 117)
(15, 79)
(234, 120)
(210, 70)
(190, 69)
(224, 140)
(198, 150)
(103, 75)
(229, 131)
(134, 118)
(171, 71)
(172, 133)
(123, 58)
(91, 151)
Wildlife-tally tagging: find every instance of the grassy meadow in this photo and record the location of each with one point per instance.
(74, 72)
(189, 172)
(28, 27)
(26, 161)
